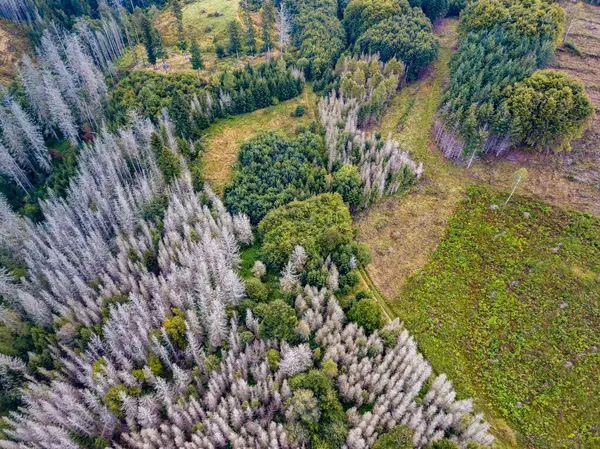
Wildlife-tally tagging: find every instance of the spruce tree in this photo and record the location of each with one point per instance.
(235, 42)
(250, 35)
(196, 56)
(268, 18)
(180, 112)
(149, 40)
(178, 14)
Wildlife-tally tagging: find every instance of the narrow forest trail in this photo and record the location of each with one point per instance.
(403, 231)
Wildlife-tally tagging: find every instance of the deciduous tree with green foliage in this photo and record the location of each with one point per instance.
(319, 224)
(279, 320)
(367, 314)
(399, 437)
(551, 109)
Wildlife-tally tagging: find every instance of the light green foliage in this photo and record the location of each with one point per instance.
(330, 368)
(112, 398)
(527, 18)
(306, 407)
(399, 437)
(332, 428)
(175, 327)
(256, 290)
(367, 314)
(551, 108)
(155, 365)
(346, 182)
(273, 358)
(319, 224)
(371, 82)
(508, 308)
(279, 320)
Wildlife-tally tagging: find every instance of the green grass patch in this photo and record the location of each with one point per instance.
(508, 308)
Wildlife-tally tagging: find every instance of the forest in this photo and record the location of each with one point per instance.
(144, 305)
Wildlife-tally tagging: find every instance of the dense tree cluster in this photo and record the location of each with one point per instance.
(369, 81)
(274, 170)
(503, 44)
(318, 234)
(551, 109)
(198, 105)
(392, 29)
(319, 35)
(383, 166)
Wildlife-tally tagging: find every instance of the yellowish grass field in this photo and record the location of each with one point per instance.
(223, 139)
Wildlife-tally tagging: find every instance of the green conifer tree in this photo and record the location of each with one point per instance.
(196, 56)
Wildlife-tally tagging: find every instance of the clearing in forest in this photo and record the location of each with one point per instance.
(223, 139)
(13, 44)
(208, 20)
(403, 232)
(508, 308)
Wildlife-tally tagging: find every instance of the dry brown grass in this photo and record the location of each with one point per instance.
(13, 44)
(223, 139)
(402, 232)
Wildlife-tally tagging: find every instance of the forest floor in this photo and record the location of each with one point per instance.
(13, 44)
(223, 139)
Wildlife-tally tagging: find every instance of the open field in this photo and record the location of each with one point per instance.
(224, 137)
(403, 233)
(508, 308)
(13, 44)
(199, 18)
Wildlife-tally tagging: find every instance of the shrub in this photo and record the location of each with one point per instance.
(299, 111)
(273, 358)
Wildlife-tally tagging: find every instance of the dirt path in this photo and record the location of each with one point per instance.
(402, 232)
